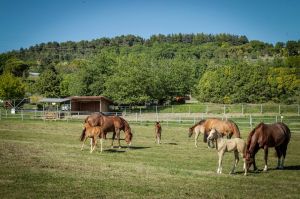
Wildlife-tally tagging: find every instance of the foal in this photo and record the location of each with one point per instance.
(157, 132)
(93, 133)
(237, 145)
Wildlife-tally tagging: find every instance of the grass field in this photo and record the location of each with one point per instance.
(43, 160)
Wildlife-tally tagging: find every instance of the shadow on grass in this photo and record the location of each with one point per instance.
(138, 147)
(171, 143)
(113, 151)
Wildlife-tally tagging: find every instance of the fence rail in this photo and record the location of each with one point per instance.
(246, 121)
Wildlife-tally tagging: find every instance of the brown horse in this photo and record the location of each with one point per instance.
(93, 133)
(225, 127)
(157, 132)
(111, 124)
(264, 136)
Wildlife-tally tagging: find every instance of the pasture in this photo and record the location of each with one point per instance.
(43, 160)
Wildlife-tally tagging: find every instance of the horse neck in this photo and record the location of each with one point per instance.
(219, 142)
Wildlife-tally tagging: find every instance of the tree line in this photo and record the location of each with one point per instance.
(220, 68)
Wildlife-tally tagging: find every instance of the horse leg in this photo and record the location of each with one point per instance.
(266, 158)
(196, 138)
(221, 154)
(95, 142)
(236, 161)
(118, 137)
(92, 144)
(83, 143)
(112, 139)
(101, 144)
(159, 138)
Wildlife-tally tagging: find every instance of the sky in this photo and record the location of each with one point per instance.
(25, 23)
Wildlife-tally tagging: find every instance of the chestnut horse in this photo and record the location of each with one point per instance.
(264, 136)
(111, 124)
(225, 127)
(157, 132)
(93, 133)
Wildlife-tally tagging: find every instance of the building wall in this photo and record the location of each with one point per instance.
(91, 106)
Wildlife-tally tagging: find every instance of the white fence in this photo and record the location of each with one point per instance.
(246, 121)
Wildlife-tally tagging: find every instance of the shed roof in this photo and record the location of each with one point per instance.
(90, 98)
(54, 100)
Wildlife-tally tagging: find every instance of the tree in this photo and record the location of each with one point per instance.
(11, 87)
(17, 67)
(128, 85)
(48, 84)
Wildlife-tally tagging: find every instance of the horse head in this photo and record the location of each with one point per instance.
(128, 136)
(191, 130)
(213, 135)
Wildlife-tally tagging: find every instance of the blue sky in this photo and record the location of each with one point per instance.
(29, 22)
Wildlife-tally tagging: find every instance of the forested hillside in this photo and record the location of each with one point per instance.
(220, 68)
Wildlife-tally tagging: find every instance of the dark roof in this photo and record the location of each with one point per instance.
(90, 98)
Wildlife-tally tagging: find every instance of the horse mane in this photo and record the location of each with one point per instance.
(235, 128)
(252, 133)
(199, 123)
(127, 127)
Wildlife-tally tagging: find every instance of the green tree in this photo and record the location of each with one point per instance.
(48, 83)
(11, 87)
(17, 67)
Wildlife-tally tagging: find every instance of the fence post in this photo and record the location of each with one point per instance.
(140, 111)
(242, 109)
(276, 118)
(261, 108)
(279, 111)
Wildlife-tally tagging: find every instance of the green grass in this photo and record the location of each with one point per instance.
(43, 160)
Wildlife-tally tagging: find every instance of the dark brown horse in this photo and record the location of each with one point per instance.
(264, 136)
(111, 124)
(157, 132)
(225, 127)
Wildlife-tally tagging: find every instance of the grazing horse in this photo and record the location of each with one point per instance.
(264, 136)
(227, 128)
(93, 133)
(157, 132)
(237, 145)
(111, 124)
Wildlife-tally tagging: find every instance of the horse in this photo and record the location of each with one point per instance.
(237, 145)
(264, 136)
(228, 128)
(93, 133)
(158, 130)
(111, 124)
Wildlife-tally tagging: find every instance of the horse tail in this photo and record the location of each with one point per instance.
(82, 134)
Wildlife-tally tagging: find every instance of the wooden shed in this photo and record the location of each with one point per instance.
(90, 103)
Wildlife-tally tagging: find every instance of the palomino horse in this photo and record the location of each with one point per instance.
(237, 145)
(111, 124)
(93, 133)
(225, 127)
(157, 132)
(264, 136)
